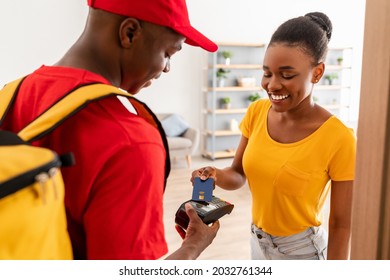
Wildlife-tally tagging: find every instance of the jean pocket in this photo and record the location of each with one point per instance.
(292, 181)
(303, 251)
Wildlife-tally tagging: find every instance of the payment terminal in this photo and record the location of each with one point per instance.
(208, 211)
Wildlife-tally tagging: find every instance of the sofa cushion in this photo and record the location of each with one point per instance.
(174, 125)
(179, 143)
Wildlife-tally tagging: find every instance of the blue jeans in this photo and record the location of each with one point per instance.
(310, 244)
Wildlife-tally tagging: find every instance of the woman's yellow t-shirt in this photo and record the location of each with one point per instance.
(289, 182)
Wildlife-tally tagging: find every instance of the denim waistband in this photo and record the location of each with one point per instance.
(264, 237)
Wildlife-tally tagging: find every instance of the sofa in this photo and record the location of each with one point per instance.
(183, 140)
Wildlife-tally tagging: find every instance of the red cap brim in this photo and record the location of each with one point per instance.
(195, 38)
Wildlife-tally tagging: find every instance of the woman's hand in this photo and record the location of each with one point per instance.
(204, 173)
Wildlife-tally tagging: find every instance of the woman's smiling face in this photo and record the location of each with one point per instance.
(288, 76)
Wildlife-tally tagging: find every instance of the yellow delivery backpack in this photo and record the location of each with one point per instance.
(32, 211)
(32, 214)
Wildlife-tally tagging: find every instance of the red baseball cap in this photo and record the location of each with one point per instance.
(170, 13)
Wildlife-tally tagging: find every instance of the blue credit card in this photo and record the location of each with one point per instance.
(203, 190)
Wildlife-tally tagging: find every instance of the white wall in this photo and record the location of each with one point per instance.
(37, 32)
(40, 31)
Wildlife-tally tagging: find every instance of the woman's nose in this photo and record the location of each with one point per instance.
(273, 84)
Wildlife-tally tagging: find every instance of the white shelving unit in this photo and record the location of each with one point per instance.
(218, 139)
(336, 97)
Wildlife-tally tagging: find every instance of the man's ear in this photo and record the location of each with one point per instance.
(129, 30)
(318, 71)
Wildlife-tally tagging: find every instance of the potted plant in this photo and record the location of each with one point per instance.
(330, 77)
(227, 55)
(226, 102)
(221, 76)
(254, 96)
(340, 60)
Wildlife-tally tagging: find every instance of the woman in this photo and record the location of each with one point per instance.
(290, 149)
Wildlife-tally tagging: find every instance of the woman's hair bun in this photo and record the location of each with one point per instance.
(323, 21)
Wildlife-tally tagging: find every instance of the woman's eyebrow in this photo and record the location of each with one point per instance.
(281, 67)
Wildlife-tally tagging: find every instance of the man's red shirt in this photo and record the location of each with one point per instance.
(114, 192)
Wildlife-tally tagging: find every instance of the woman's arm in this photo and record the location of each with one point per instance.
(340, 220)
(229, 178)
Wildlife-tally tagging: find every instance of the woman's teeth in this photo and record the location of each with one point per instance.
(278, 97)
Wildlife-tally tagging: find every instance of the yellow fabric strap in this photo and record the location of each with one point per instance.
(6, 96)
(73, 102)
(66, 106)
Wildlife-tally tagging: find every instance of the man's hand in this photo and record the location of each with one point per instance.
(197, 237)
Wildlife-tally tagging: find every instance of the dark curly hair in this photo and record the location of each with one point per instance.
(311, 33)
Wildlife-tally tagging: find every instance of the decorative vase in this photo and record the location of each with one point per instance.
(234, 125)
(221, 82)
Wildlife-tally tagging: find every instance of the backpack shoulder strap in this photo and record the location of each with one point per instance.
(70, 105)
(7, 97)
(66, 107)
